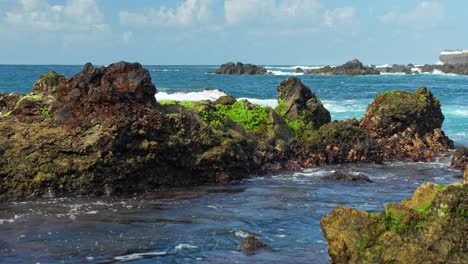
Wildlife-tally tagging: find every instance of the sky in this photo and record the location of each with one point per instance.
(292, 32)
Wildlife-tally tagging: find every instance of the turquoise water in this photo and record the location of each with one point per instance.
(207, 224)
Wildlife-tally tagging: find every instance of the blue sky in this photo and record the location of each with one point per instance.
(313, 32)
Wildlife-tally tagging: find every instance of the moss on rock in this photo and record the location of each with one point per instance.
(431, 227)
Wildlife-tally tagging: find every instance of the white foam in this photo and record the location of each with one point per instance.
(211, 95)
(283, 73)
(383, 66)
(293, 67)
(185, 246)
(392, 73)
(344, 106)
(263, 102)
(135, 256)
(241, 233)
(11, 220)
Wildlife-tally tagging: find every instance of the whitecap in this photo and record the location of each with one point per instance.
(283, 73)
(185, 246)
(211, 95)
(241, 233)
(262, 102)
(135, 256)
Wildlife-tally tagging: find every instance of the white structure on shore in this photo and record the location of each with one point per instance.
(454, 57)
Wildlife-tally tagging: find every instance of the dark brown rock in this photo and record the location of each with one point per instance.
(460, 158)
(353, 67)
(407, 125)
(346, 177)
(251, 244)
(240, 69)
(225, 100)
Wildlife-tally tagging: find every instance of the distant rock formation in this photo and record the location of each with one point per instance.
(406, 69)
(354, 67)
(240, 69)
(431, 227)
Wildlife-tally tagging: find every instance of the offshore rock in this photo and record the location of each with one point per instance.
(240, 69)
(346, 177)
(251, 244)
(300, 106)
(353, 67)
(431, 227)
(407, 125)
(460, 158)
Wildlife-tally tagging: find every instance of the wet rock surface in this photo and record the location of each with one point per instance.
(346, 177)
(431, 227)
(459, 158)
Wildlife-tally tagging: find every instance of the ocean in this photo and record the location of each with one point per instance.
(207, 224)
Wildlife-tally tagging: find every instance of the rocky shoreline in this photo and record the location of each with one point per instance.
(353, 67)
(102, 132)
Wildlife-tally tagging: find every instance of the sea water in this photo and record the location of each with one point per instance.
(207, 224)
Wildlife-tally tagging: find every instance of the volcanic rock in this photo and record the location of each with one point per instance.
(431, 227)
(353, 67)
(240, 69)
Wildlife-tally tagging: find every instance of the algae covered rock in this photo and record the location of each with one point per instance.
(407, 125)
(431, 227)
(301, 108)
(338, 142)
(251, 244)
(460, 158)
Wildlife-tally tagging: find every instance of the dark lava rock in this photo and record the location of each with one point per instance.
(299, 70)
(299, 105)
(407, 125)
(431, 227)
(406, 69)
(240, 69)
(226, 100)
(459, 69)
(353, 67)
(251, 243)
(8, 101)
(460, 158)
(339, 176)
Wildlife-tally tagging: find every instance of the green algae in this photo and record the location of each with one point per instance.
(45, 112)
(423, 207)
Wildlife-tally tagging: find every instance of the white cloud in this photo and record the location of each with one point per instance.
(425, 14)
(186, 13)
(75, 16)
(286, 13)
(338, 16)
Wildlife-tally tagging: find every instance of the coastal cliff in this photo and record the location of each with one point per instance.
(102, 132)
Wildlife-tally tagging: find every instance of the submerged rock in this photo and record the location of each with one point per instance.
(251, 244)
(353, 67)
(431, 227)
(240, 69)
(460, 158)
(340, 176)
(407, 125)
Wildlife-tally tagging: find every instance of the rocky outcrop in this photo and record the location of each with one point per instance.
(251, 244)
(346, 177)
(459, 158)
(407, 125)
(460, 69)
(406, 69)
(303, 110)
(240, 69)
(431, 227)
(103, 132)
(353, 67)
